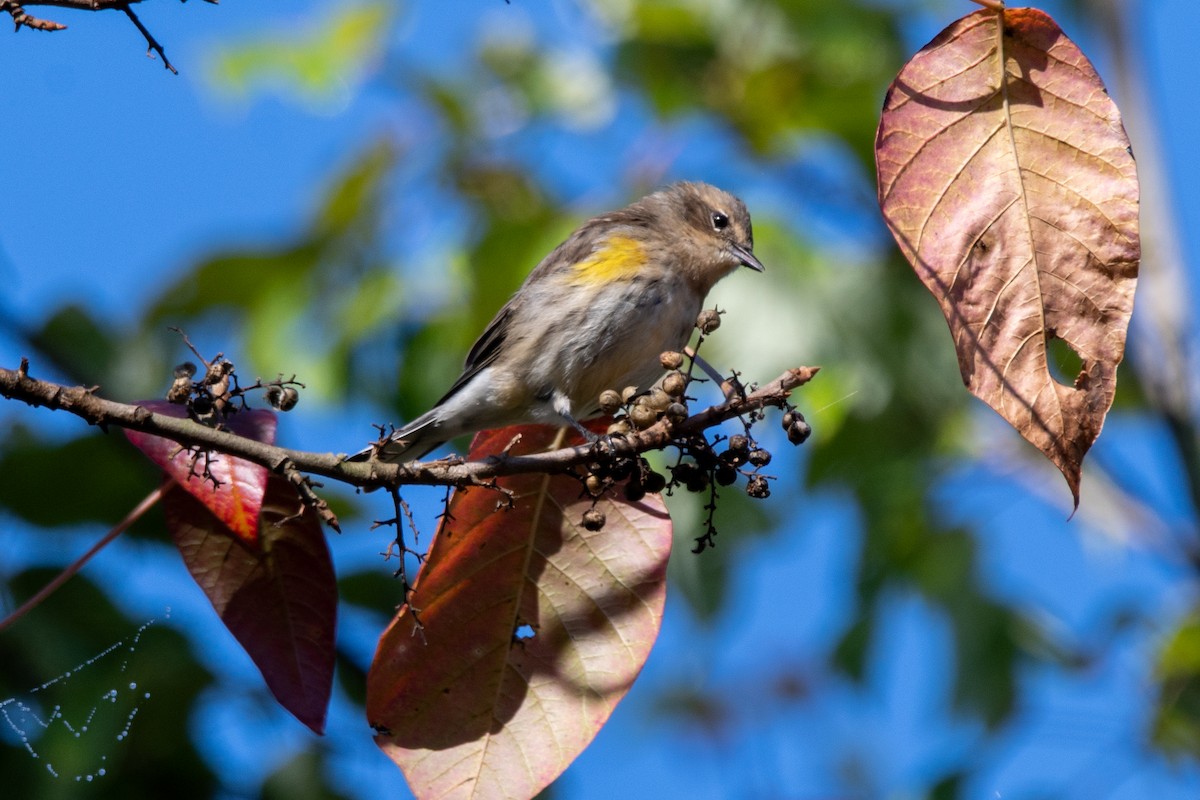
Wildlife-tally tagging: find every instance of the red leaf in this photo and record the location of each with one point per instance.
(278, 598)
(1006, 177)
(485, 706)
(238, 498)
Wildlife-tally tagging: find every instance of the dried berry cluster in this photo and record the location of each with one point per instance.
(217, 393)
(703, 465)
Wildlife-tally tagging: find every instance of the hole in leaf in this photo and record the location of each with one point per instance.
(1065, 364)
(523, 632)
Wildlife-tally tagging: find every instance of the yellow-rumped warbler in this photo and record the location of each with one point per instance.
(595, 314)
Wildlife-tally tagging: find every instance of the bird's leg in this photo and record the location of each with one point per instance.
(562, 406)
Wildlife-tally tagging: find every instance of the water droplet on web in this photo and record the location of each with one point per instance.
(29, 723)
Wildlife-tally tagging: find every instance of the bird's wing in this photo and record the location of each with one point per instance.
(577, 246)
(484, 351)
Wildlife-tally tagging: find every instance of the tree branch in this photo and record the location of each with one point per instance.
(86, 404)
(16, 8)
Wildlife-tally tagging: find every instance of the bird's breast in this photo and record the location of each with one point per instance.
(614, 339)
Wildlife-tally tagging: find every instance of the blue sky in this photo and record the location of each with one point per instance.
(118, 174)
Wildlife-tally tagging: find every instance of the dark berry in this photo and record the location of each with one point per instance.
(759, 458)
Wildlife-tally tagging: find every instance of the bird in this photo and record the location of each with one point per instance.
(594, 314)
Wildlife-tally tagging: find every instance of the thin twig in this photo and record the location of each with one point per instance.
(306, 488)
(152, 45)
(20, 18)
(23, 19)
(79, 563)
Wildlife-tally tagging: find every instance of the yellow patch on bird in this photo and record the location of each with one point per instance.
(619, 258)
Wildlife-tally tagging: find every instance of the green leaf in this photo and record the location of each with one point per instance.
(75, 344)
(91, 479)
(1176, 725)
(319, 65)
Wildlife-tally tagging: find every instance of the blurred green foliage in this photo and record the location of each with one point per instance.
(98, 702)
(321, 62)
(1177, 722)
(325, 304)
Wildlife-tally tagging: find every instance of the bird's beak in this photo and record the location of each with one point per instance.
(747, 258)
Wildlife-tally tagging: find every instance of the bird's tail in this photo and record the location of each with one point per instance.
(415, 440)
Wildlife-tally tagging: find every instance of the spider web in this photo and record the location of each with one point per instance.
(33, 718)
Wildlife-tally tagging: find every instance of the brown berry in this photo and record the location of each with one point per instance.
(288, 398)
(674, 384)
(593, 519)
(671, 360)
(642, 416)
(708, 320)
(634, 491)
(594, 484)
(739, 443)
(180, 391)
(610, 401)
(217, 372)
(677, 413)
(654, 482)
(725, 475)
(657, 399)
(620, 427)
(757, 487)
(628, 393)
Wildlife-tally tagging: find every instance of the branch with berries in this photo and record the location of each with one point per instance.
(205, 434)
(207, 428)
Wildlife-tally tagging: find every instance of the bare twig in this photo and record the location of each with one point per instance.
(20, 18)
(79, 563)
(306, 488)
(152, 45)
(16, 8)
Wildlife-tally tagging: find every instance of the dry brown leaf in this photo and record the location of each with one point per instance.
(1007, 179)
(534, 629)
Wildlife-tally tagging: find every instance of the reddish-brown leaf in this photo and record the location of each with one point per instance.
(534, 629)
(1007, 179)
(239, 496)
(278, 598)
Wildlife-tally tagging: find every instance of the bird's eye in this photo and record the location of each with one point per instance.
(720, 221)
